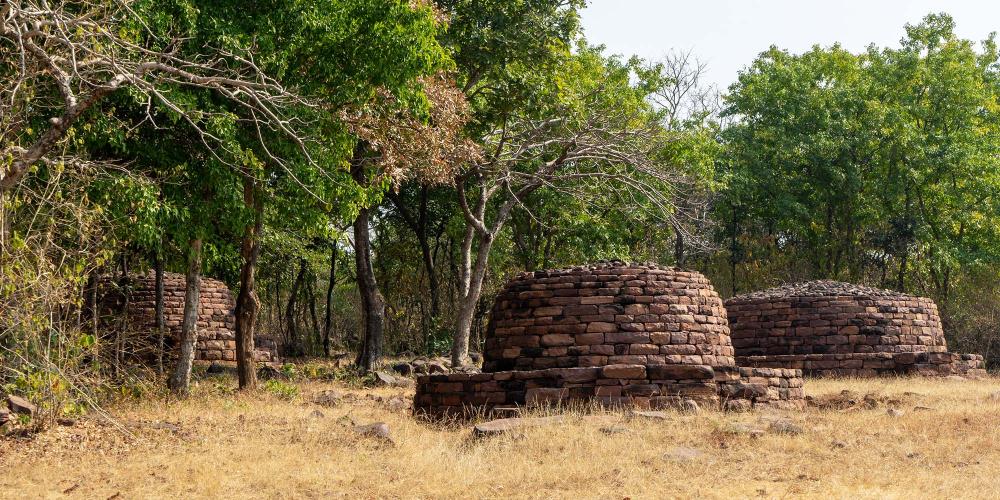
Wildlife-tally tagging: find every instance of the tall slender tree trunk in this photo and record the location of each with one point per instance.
(317, 332)
(161, 323)
(328, 320)
(247, 302)
(293, 333)
(372, 303)
(473, 287)
(180, 381)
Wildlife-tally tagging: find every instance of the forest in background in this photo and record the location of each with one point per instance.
(366, 174)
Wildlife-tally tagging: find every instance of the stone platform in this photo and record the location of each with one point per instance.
(636, 386)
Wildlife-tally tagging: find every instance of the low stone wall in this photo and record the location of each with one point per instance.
(640, 386)
(216, 322)
(874, 364)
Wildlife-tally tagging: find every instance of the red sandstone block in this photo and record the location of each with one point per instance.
(616, 337)
(548, 311)
(603, 349)
(556, 339)
(589, 338)
(643, 349)
(602, 327)
(592, 361)
(659, 337)
(603, 299)
(630, 359)
(624, 371)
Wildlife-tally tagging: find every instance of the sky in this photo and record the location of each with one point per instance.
(728, 34)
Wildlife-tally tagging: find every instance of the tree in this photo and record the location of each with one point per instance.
(399, 147)
(596, 129)
(85, 52)
(868, 167)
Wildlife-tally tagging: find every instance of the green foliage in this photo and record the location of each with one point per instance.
(281, 390)
(876, 167)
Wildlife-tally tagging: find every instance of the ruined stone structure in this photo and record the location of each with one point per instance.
(216, 322)
(833, 328)
(614, 333)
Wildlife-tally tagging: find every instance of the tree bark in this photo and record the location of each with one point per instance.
(295, 344)
(467, 308)
(180, 382)
(372, 303)
(247, 302)
(328, 320)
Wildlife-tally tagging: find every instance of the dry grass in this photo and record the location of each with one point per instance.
(260, 446)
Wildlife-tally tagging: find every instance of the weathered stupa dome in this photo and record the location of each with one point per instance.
(834, 328)
(216, 323)
(616, 333)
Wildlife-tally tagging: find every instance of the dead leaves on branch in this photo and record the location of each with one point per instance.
(406, 146)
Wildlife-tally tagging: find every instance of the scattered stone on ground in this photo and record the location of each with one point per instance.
(683, 454)
(21, 406)
(922, 408)
(404, 369)
(384, 379)
(514, 424)
(995, 396)
(785, 426)
(215, 368)
(378, 430)
(328, 398)
(5, 416)
(268, 372)
(737, 405)
(316, 414)
(66, 422)
(397, 404)
(838, 444)
(436, 367)
(893, 412)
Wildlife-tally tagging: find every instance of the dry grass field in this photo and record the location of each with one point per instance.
(946, 443)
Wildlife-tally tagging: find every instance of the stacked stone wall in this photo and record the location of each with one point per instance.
(637, 386)
(216, 322)
(832, 328)
(600, 315)
(612, 334)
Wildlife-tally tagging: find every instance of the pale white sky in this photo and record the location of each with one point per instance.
(728, 34)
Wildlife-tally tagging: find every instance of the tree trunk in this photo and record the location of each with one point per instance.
(327, 321)
(180, 382)
(678, 247)
(161, 323)
(372, 303)
(469, 301)
(247, 302)
(295, 347)
(317, 333)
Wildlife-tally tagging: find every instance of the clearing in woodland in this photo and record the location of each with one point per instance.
(871, 438)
